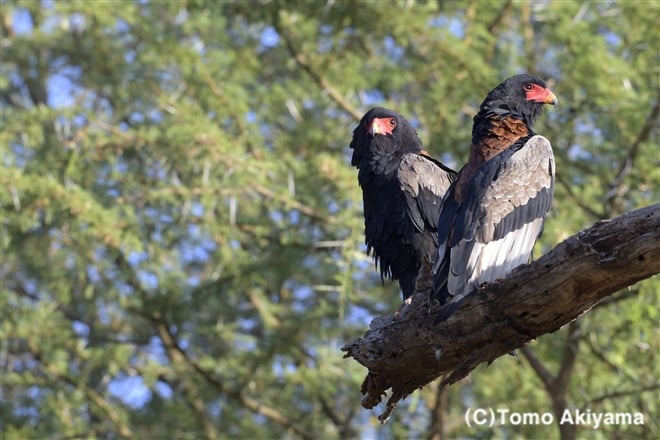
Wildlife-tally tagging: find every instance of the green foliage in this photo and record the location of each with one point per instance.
(182, 231)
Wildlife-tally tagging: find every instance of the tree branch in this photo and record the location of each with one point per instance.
(304, 63)
(614, 368)
(568, 186)
(438, 429)
(493, 27)
(568, 359)
(178, 355)
(617, 188)
(529, 38)
(623, 393)
(408, 352)
(643, 136)
(538, 367)
(102, 403)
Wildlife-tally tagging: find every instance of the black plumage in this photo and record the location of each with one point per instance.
(402, 188)
(494, 211)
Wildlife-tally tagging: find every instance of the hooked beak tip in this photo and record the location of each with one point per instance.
(551, 99)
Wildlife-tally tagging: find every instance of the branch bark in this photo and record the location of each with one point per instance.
(407, 352)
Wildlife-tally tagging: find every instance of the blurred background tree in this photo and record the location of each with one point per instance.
(182, 232)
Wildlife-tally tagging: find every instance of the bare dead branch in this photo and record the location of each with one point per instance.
(407, 352)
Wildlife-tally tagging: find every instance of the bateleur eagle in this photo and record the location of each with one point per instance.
(494, 210)
(402, 188)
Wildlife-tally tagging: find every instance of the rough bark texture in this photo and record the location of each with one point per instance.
(407, 351)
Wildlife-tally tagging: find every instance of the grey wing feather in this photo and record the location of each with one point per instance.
(525, 180)
(424, 181)
(509, 218)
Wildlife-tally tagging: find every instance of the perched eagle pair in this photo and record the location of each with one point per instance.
(474, 226)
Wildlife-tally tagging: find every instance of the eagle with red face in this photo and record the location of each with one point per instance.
(494, 211)
(402, 188)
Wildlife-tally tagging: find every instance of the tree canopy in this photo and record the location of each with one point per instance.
(182, 232)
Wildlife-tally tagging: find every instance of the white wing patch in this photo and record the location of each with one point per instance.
(494, 260)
